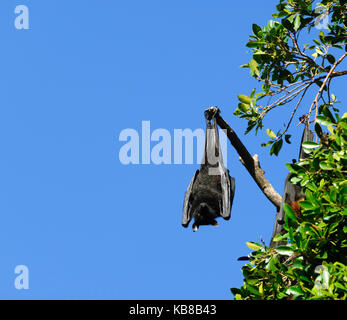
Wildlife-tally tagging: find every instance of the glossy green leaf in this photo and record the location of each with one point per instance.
(307, 205)
(276, 147)
(297, 23)
(256, 29)
(254, 246)
(324, 121)
(289, 212)
(294, 291)
(245, 99)
(324, 166)
(271, 134)
(284, 251)
(244, 107)
(310, 145)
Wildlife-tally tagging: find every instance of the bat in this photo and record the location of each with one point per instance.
(292, 194)
(211, 191)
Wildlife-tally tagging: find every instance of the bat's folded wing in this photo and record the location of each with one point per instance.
(187, 214)
(228, 190)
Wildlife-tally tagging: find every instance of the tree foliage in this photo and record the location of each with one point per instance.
(287, 68)
(312, 263)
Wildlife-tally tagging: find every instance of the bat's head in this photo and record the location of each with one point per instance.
(204, 215)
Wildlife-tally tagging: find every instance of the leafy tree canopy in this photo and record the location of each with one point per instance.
(312, 263)
(287, 68)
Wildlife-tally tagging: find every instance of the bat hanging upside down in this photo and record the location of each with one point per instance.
(211, 191)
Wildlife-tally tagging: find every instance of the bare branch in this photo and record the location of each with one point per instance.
(315, 101)
(294, 111)
(303, 55)
(288, 97)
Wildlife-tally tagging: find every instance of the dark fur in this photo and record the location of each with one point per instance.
(209, 196)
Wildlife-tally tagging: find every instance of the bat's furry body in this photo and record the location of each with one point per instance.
(292, 194)
(211, 191)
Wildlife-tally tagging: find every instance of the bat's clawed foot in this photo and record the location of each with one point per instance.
(195, 227)
(211, 112)
(215, 223)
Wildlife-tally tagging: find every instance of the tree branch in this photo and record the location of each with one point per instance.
(251, 163)
(331, 72)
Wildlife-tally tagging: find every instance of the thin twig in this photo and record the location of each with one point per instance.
(315, 101)
(294, 111)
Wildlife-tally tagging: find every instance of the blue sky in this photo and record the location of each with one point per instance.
(86, 226)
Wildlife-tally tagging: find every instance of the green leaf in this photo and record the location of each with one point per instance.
(261, 288)
(318, 129)
(289, 212)
(324, 166)
(319, 51)
(253, 65)
(245, 99)
(310, 145)
(238, 297)
(323, 121)
(323, 255)
(330, 58)
(307, 205)
(287, 24)
(295, 180)
(244, 107)
(297, 23)
(271, 265)
(255, 44)
(267, 144)
(253, 289)
(294, 291)
(280, 237)
(284, 251)
(293, 167)
(254, 246)
(328, 114)
(271, 134)
(256, 29)
(250, 126)
(276, 147)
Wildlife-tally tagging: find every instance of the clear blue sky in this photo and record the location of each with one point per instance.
(87, 226)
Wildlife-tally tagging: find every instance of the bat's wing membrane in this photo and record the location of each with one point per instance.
(187, 217)
(213, 161)
(228, 190)
(227, 182)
